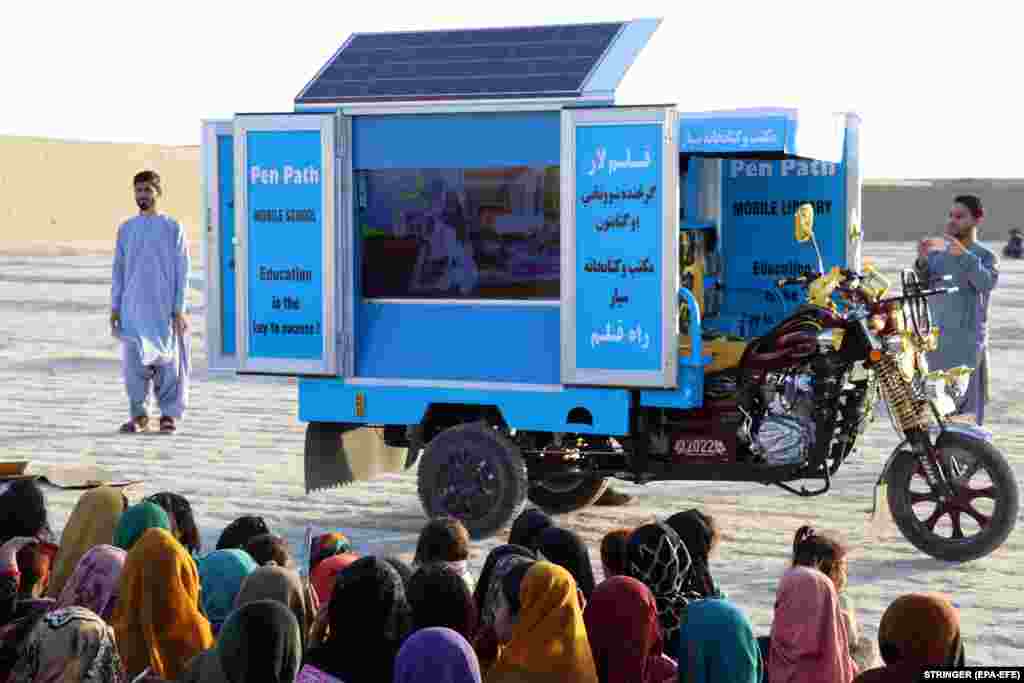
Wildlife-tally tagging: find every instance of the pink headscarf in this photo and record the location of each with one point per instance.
(809, 641)
(96, 581)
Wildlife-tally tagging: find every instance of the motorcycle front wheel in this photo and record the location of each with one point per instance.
(971, 524)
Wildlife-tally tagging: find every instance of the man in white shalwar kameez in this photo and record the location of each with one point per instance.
(148, 312)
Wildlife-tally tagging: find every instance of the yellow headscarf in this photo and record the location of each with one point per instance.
(549, 640)
(91, 523)
(157, 619)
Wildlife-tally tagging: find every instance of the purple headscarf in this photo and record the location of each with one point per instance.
(96, 582)
(437, 655)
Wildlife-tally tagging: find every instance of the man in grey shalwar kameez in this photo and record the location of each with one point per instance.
(150, 280)
(962, 316)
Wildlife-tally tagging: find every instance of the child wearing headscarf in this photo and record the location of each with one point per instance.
(436, 655)
(157, 618)
(328, 545)
(625, 637)
(70, 645)
(528, 526)
(717, 643)
(136, 521)
(828, 554)
(367, 620)
(221, 574)
(272, 582)
(439, 597)
(541, 622)
(487, 597)
(260, 642)
(566, 549)
(92, 523)
(445, 539)
(917, 632)
(808, 637)
(659, 560)
(700, 535)
(96, 581)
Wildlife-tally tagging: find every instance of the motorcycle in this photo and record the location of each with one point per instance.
(796, 404)
(1015, 246)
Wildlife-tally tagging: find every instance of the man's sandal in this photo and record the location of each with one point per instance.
(167, 425)
(136, 425)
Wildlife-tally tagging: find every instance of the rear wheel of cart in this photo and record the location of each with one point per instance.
(567, 494)
(474, 473)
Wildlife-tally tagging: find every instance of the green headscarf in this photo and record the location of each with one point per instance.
(138, 519)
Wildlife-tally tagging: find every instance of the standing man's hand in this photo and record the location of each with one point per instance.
(956, 247)
(180, 324)
(928, 245)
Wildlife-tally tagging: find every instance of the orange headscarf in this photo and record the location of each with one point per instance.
(549, 639)
(157, 619)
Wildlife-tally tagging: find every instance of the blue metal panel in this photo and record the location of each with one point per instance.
(774, 132)
(542, 61)
(226, 211)
(488, 343)
(332, 400)
(475, 140)
(759, 199)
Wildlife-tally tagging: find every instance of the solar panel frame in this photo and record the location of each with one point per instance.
(539, 55)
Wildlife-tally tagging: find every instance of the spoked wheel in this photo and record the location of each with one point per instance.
(474, 473)
(972, 523)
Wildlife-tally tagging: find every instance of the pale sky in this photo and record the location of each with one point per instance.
(938, 84)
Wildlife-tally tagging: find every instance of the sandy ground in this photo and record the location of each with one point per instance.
(240, 451)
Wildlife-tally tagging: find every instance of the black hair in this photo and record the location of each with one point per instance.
(439, 597)
(615, 550)
(33, 565)
(23, 511)
(178, 507)
(267, 548)
(443, 539)
(150, 177)
(820, 551)
(238, 534)
(973, 204)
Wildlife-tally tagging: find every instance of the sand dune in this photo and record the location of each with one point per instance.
(62, 198)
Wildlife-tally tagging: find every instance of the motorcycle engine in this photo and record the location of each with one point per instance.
(786, 433)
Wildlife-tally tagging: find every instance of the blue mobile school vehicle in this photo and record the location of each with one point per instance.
(457, 237)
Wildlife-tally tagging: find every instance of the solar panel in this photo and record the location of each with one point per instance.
(544, 61)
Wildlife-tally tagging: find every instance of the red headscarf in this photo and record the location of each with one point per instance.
(326, 572)
(625, 636)
(809, 641)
